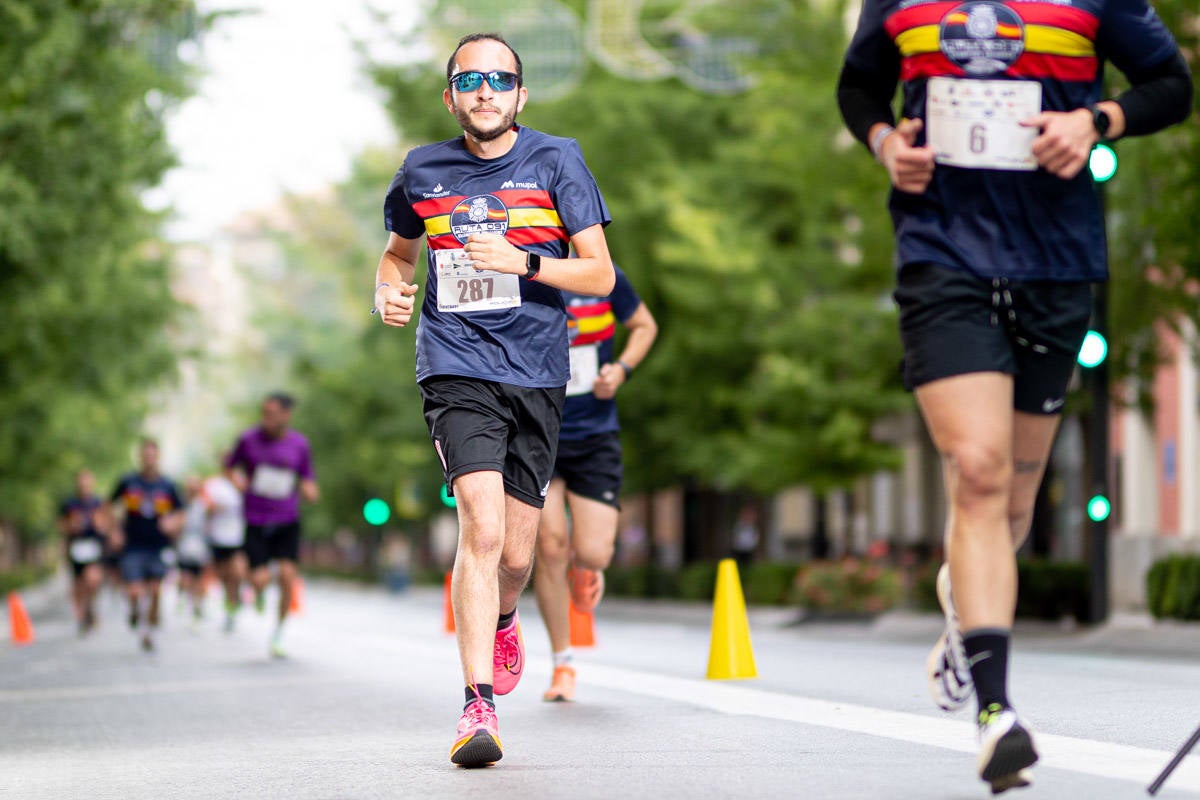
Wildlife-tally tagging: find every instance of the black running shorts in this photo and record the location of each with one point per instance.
(592, 467)
(221, 554)
(267, 543)
(479, 425)
(954, 323)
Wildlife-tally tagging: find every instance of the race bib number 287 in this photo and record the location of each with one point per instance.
(462, 288)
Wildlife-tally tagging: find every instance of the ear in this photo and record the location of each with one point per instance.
(448, 100)
(522, 96)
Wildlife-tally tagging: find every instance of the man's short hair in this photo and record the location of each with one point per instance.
(148, 441)
(285, 400)
(480, 37)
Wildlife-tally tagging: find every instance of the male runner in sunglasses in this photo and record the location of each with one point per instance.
(499, 206)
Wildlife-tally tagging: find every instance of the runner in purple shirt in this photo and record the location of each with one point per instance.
(271, 465)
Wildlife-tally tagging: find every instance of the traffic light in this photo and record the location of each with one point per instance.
(448, 499)
(1102, 163)
(1098, 508)
(1093, 351)
(376, 511)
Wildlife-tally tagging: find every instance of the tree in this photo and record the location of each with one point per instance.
(84, 297)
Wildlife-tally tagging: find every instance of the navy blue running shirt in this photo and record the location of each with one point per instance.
(146, 502)
(538, 195)
(994, 222)
(591, 326)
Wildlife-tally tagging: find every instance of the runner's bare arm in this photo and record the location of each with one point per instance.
(394, 287)
(309, 490)
(643, 329)
(591, 273)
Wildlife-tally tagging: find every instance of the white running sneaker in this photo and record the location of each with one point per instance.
(950, 683)
(1005, 749)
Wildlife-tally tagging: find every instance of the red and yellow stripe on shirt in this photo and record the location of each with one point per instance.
(593, 323)
(532, 218)
(1059, 41)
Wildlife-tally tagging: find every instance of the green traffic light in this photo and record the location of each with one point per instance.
(1093, 351)
(376, 511)
(1098, 508)
(1102, 163)
(448, 499)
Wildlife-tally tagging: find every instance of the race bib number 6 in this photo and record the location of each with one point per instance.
(974, 123)
(462, 288)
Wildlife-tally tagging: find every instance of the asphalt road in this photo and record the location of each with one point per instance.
(366, 704)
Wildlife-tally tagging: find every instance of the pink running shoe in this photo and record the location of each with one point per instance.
(508, 658)
(478, 742)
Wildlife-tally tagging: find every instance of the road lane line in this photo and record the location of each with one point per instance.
(1087, 756)
(166, 687)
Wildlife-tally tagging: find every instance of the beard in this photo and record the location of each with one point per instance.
(507, 119)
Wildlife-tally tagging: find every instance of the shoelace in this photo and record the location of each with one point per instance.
(509, 654)
(479, 712)
(989, 714)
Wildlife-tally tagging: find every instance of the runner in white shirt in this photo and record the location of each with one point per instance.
(226, 535)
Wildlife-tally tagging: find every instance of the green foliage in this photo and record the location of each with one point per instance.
(1173, 587)
(698, 581)
(1052, 590)
(84, 293)
(769, 582)
(24, 576)
(852, 585)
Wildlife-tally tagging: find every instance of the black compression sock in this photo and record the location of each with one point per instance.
(506, 620)
(987, 656)
(485, 691)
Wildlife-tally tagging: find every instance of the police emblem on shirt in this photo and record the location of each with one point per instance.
(483, 213)
(983, 38)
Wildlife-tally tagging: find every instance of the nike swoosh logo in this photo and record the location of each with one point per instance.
(1050, 406)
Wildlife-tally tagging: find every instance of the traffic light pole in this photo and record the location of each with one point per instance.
(1098, 445)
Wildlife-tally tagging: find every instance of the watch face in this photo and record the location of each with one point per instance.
(1100, 120)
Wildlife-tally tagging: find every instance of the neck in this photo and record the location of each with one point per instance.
(494, 148)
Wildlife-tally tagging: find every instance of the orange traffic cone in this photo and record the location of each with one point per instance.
(448, 605)
(296, 606)
(22, 628)
(583, 632)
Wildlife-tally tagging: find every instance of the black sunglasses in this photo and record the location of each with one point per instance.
(470, 81)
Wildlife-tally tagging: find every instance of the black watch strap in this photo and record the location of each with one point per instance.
(1100, 120)
(533, 265)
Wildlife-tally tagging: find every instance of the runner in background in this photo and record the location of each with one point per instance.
(272, 466)
(152, 511)
(81, 522)
(226, 530)
(191, 548)
(572, 554)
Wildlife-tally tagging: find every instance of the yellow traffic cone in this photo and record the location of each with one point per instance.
(730, 656)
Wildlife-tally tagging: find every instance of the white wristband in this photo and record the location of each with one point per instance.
(877, 139)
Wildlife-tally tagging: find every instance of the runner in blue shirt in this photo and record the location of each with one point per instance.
(999, 233)
(587, 469)
(499, 207)
(153, 517)
(81, 521)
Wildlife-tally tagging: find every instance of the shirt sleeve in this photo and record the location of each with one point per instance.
(119, 490)
(576, 196)
(867, 84)
(306, 470)
(624, 299)
(238, 456)
(1133, 37)
(173, 493)
(398, 214)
